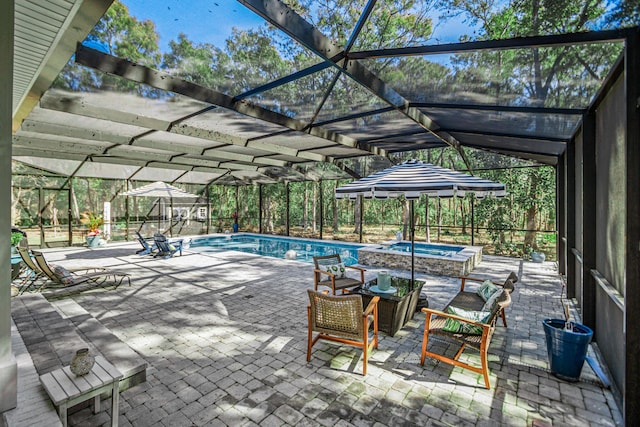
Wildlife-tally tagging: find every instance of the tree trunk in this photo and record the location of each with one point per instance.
(405, 220)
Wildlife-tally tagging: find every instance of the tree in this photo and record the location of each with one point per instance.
(121, 35)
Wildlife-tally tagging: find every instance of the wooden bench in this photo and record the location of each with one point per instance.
(435, 322)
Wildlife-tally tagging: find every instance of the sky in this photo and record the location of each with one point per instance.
(211, 21)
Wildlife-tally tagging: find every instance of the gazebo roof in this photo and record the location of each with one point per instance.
(190, 133)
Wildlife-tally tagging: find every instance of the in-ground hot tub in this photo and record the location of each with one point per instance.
(441, 259)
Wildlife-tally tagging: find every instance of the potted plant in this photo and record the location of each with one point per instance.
(16, 238)
(235, 222)
(93, 221)
(567, 345)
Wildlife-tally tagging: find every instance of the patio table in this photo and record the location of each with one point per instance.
(394, 309)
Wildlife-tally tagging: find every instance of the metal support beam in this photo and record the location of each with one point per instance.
(589, 223)
(288, 212)
(631, 409)
(561, 215)
(571, 170)
(260, 208)
(495, 45)
(321, 200)
(503, 108)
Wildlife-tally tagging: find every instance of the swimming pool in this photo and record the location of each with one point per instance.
(426, 249)
(276, 247)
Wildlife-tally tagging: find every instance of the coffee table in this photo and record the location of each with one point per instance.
(394, 309)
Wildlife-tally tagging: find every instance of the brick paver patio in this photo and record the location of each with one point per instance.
(224, 336)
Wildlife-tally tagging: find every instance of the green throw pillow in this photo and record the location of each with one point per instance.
(337, 270)
(455, 326)
(487, 289)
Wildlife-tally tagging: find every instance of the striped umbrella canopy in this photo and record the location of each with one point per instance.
(413, 178)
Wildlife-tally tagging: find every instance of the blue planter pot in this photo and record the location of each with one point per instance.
(235, 228)
(567, 349)
(93, 241)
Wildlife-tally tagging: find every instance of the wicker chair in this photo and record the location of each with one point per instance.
(322, 276)
(341, 319)
(435, 326)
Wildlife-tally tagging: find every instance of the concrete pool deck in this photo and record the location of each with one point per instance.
(224, 336)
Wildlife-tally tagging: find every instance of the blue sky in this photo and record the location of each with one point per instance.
(212, 20)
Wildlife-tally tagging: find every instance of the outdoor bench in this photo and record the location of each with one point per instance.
(479, 339)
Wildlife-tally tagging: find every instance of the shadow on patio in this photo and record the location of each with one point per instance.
(224, 336)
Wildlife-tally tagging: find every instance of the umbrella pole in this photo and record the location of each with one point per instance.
(412, 231)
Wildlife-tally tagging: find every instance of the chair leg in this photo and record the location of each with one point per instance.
(485, 366)
(425, 338)
(309, 341)
(504, 317)
(365, 347)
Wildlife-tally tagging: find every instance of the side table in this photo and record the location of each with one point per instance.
(66, 389)
(394, 310)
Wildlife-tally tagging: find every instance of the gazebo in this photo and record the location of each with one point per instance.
(191, 133)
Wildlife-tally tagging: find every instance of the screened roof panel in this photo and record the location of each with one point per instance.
(476, 78)
(506, 145)
(106, 170)
(60, 166)
(177, 142)
(198, 177)
(348, 97)
(158, 174)
(229, 48)
(376, 126)
(513, 123)
(156, 112)
(226, 123)
(298, 99)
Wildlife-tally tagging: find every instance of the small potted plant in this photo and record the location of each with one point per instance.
(16, 238)
(93, 221)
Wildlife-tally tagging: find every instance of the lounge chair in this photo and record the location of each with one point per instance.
(341, 319)
(30, 271)
(63, 277)
(166, 248)
(334, 269)
(148, 244)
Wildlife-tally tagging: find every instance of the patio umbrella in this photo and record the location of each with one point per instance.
(413, 178)
(160, 190)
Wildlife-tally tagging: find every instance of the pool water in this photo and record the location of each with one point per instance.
(426, 249)
(276, 247)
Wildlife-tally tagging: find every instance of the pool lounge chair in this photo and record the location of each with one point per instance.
(148, 244)
(63, 277)
(167, 248)
(31, 273)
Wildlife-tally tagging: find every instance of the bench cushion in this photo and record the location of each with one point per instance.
(456, 326)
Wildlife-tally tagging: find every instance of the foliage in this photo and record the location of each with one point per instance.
(16, 238)
(92, 220)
